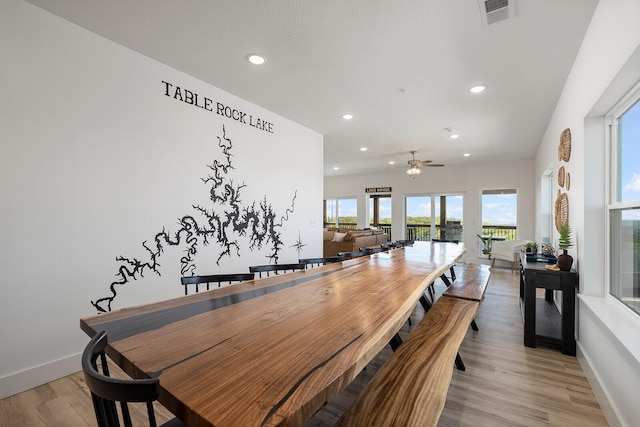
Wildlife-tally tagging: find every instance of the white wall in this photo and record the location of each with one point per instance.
(468, 180)
(96, 160)
(608, 335)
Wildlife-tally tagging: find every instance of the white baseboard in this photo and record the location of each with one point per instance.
(33, 377)
(602, 397)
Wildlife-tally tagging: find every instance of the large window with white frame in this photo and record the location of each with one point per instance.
(500, 213)
(341, 213)
(624, 202)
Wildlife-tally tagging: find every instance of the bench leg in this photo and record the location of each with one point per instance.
(460, 363)
(473, 325)
(432, 292)
(453, 274)
(446, 281)
(426, 305)
(395, 342)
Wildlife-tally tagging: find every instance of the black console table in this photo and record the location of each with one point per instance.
(542, 320)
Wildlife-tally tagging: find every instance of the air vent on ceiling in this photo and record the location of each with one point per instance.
(493, 11)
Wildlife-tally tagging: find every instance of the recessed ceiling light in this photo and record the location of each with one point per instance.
(477, 89)
(347, 116)
(256, 59)
(392, 162)
(454, 136)
(363, 148)
(466, 154)
(335, 168)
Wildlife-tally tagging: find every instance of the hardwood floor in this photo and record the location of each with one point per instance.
(505, 384)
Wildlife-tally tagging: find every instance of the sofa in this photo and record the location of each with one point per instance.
(341, 240)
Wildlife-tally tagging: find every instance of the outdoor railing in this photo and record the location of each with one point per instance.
(418, 232)
(506, 231)
(423, 231)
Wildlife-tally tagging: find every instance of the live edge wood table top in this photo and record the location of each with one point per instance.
(272, 351)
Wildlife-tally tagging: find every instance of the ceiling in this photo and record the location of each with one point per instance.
(403, 68)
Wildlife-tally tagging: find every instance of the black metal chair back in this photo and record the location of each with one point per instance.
(315, 262)
(106, 391)
(217, 279)
(402, 243)
(275, 268)
(370, 251)
(351, 255)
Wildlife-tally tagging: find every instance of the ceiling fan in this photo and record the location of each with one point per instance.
(415, 165)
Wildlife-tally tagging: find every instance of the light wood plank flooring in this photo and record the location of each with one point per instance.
(505, 384)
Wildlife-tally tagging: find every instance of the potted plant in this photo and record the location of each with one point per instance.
(531, 247)
(565, 261)
(486, 243)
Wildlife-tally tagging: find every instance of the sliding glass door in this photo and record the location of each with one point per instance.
(434, 217)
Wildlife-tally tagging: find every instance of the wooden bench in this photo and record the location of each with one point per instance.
(411, 387)
(470, 284)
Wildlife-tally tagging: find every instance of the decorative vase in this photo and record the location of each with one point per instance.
(565, 261)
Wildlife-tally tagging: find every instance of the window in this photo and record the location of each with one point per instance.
(624, 204)
(546, 206)
(500, 213)
(341, 213)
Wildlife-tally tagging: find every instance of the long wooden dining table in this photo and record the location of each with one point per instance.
(272, 351)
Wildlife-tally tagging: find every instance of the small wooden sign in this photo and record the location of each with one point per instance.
(378, 190)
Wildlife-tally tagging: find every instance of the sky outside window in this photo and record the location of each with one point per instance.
(630, 154)
(500, 209)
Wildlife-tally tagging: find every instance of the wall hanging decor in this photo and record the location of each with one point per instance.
(561, 176)
(564, 148)
(220, 223)
(561, 210)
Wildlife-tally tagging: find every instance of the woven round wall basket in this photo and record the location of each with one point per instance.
(561, 209)
(564, 149)
(561, 176)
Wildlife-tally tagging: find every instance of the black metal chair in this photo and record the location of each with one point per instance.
(275, 268)
(370, 250)
(351, 255)
(106, 391)
(218, 279)
(316, 262)
(403, 243)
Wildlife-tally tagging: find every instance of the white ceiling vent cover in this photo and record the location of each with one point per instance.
(493, 11)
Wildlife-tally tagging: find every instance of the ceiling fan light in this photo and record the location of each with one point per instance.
(413, 171)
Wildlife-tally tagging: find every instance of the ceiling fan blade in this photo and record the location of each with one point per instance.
(433, 165)
(423, 162)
